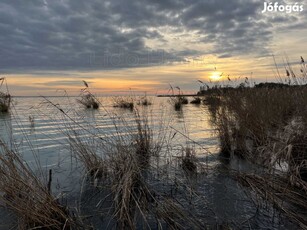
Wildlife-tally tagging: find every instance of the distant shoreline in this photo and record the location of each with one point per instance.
(176, 95)
(161, 95)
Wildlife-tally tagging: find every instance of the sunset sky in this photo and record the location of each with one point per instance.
(120, 46)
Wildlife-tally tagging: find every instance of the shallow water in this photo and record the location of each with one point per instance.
(47, 133)
(45, 138)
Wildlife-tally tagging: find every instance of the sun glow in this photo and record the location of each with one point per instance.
(215, 76)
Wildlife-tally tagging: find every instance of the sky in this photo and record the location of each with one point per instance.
(124, 46)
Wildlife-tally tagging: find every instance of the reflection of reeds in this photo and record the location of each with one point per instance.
(28, 197)
(183, 100)
(177, 105)
(32, 121)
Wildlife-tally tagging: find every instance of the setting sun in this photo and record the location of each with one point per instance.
(215, 76)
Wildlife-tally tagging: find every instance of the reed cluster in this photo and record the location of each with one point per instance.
(88, 100)
(189, 161)
(266, 124)
(5, 102)
(125, 164)
(5, 98)
(196, 101)
(177, 100)
(123, 102)
(275, 189)
(144, 101)
(29, 196)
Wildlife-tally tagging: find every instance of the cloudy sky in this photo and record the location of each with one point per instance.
(144, 45)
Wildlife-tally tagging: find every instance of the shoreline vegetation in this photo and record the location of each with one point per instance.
(28, 195)
(139, 180)
(266, 125)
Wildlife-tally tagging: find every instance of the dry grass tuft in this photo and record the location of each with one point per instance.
(5, 102)
(87, 98)
(89, 101)
(129, 173)
(277, 190)
(5, 98)
(255, 123)
(178, 99)
(144, 101)
(196, 101)
(123, 102)
(28, 197)
(189, 160)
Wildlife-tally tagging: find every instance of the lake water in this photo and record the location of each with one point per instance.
(45, 138)
(48, 140)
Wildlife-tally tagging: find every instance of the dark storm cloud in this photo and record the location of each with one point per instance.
(75, 34)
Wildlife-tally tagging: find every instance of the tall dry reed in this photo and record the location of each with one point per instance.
(124, 165)
(29, 196)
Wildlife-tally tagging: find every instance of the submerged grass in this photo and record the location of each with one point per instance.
(177, 100)
(5, 98)
(276, 189)
(125, 163)
(144, 101)
(196, 101)
(88, 100)
(29, 197)
(123, 102)
(189, 160)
